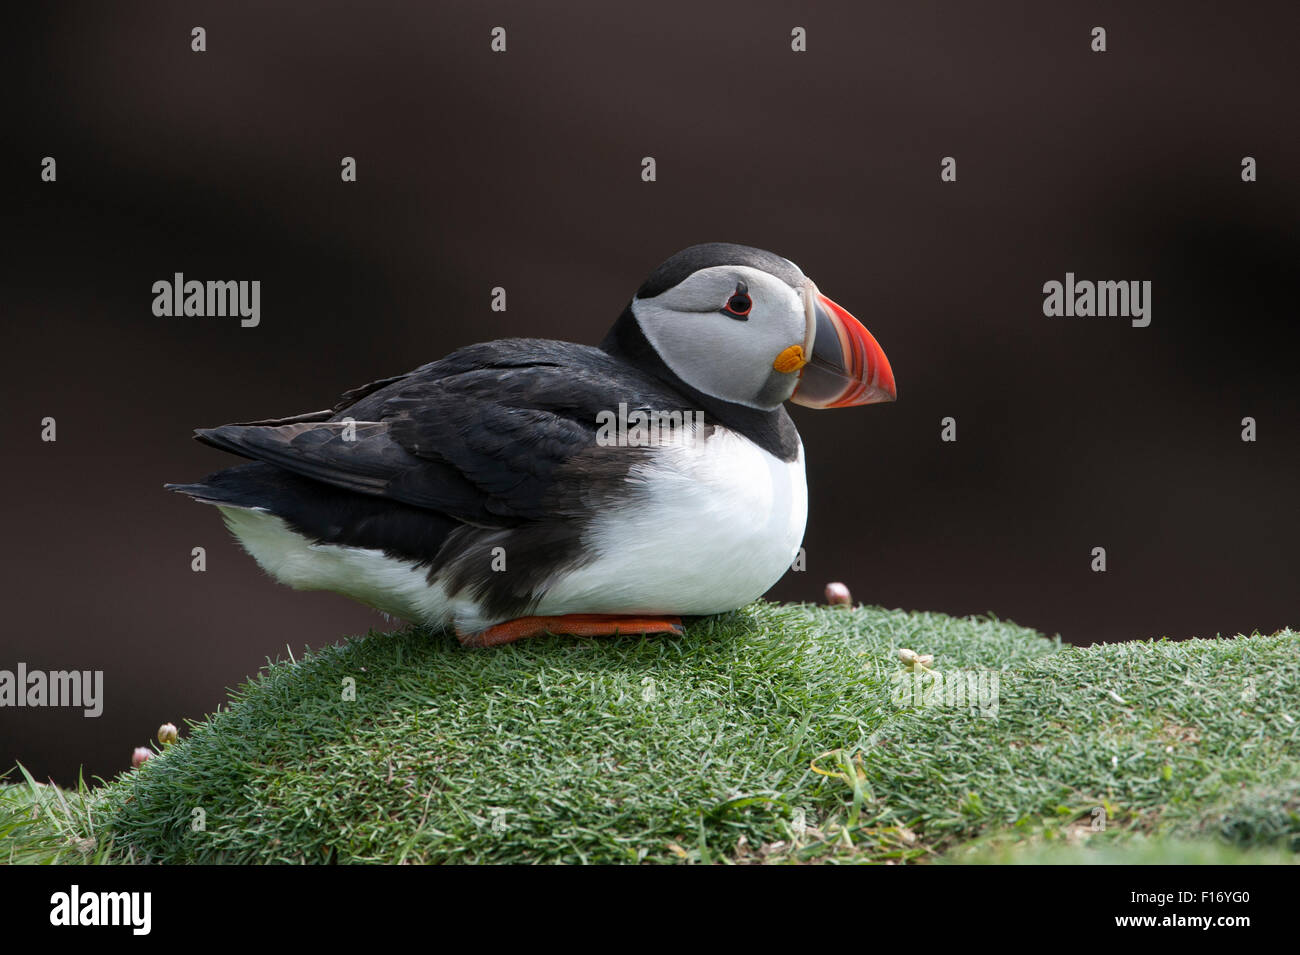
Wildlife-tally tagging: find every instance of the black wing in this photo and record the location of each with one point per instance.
(493, 435)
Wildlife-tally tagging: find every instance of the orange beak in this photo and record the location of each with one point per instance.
(847, 366)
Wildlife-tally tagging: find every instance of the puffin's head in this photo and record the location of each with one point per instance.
(747, 326)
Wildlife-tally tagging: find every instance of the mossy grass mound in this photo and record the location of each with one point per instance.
(772, 734)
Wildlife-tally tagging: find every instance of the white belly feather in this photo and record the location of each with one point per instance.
(718, 523)
(709, 527)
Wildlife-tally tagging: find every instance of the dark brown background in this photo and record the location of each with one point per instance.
(523, 170)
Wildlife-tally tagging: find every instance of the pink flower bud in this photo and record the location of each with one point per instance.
(167, 733)
(141, 754)
(837, 595)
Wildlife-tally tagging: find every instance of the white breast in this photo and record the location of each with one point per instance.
(709, 526)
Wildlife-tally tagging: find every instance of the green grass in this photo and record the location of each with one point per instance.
(767, 735)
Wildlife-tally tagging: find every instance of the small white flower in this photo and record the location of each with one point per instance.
(916, 662)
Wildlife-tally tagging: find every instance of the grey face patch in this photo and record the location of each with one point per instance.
(714, 352)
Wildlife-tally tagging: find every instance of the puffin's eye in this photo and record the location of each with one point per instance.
(739, 304)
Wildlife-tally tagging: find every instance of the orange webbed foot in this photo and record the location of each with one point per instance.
(575, 624)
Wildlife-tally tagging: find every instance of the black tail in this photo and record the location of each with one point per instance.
(326, 513)
(248, 485)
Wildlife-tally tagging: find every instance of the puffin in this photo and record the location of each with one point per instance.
(526, 486)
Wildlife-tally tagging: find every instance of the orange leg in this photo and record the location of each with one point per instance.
(577, 624)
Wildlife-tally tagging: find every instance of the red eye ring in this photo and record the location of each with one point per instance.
(739, 305)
